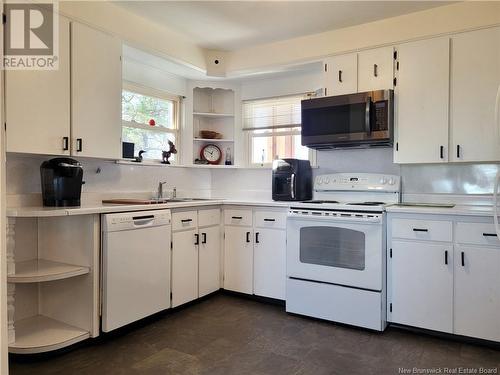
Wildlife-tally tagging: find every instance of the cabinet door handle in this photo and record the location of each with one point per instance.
(65, 143)
(248, 237)
(375, 70)
(203, 238)
(458, 151)
(446, 257)
(197, 239)
(79, 145)
(257, 237)
(463, 259)
(489, 235)
(441, 152)
(420, 230)
(269, 219)
(340, 75)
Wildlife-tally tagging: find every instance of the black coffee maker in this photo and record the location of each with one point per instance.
(61, 182)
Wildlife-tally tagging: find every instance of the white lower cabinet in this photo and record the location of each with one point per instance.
(269, 263)
(422, 285)
(451, 287)
(255, 251)
(184, 267)
(238, 259)
(195, 254)
(477, 292)
(209, 260)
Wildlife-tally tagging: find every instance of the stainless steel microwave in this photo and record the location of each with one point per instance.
(355, 120)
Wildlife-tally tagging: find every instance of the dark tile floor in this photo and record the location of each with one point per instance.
(227, 334)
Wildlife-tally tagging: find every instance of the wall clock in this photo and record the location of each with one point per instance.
(211, 153)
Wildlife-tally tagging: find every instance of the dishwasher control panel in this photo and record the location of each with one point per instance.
(135, 220)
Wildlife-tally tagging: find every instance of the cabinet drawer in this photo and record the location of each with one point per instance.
(238, 217)
(427, 230)
(208, 217)
(184, 220)
(477, 234)
(270, 219)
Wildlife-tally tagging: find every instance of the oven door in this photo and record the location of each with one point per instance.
(347, 252)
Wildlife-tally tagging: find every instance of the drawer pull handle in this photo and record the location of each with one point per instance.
(186, 220)
(269, 219)
(489, 235)
(463, 259)
(420, 230)
(446, 257)
(237, 217)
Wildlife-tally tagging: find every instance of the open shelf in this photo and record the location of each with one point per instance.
(40, 270)
(213, 114)
(213, 140)
(40, 334)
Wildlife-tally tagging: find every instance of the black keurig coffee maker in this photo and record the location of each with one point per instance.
(61, 182)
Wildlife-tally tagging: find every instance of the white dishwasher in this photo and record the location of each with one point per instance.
(135, 266)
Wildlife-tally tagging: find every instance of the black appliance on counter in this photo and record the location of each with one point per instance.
(292, 180)
(354, 120)
(61, 182)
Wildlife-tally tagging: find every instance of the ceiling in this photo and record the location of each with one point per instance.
(231, 25)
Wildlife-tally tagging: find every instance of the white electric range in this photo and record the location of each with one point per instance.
(336, 246)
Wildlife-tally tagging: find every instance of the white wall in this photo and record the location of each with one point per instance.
(113, 180)
(149, 76)
(292, 83)
(456, 17)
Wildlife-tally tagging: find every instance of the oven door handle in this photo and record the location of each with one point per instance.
(368, 125)
(292, 186)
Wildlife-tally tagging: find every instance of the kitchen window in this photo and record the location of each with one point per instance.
(150, 118)
(273, 129)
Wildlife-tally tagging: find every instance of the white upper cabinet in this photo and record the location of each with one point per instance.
(96, 93)
(37, 103)
(376, 69)
(421, 102)
(475, 92)
(341, 74)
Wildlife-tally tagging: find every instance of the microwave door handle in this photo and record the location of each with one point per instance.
(368, 126)
(292, 185)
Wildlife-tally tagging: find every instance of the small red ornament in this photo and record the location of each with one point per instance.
(152, 122)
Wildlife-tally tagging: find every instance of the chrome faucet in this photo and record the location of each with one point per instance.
(160, 189)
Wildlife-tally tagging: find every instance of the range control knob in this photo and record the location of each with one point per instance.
(319, 180)
(383, 180)
(392, 181)
(327, 180)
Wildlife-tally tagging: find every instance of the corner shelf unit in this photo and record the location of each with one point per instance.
(213, 109)
(39, 334)
(52, 281)
(41, 270)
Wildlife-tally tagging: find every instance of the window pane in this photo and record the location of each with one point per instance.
(262, 150)
(153, 142)
(141, 109)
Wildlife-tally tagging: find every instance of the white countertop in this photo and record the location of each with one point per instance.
(470, 210)
(39, 211)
